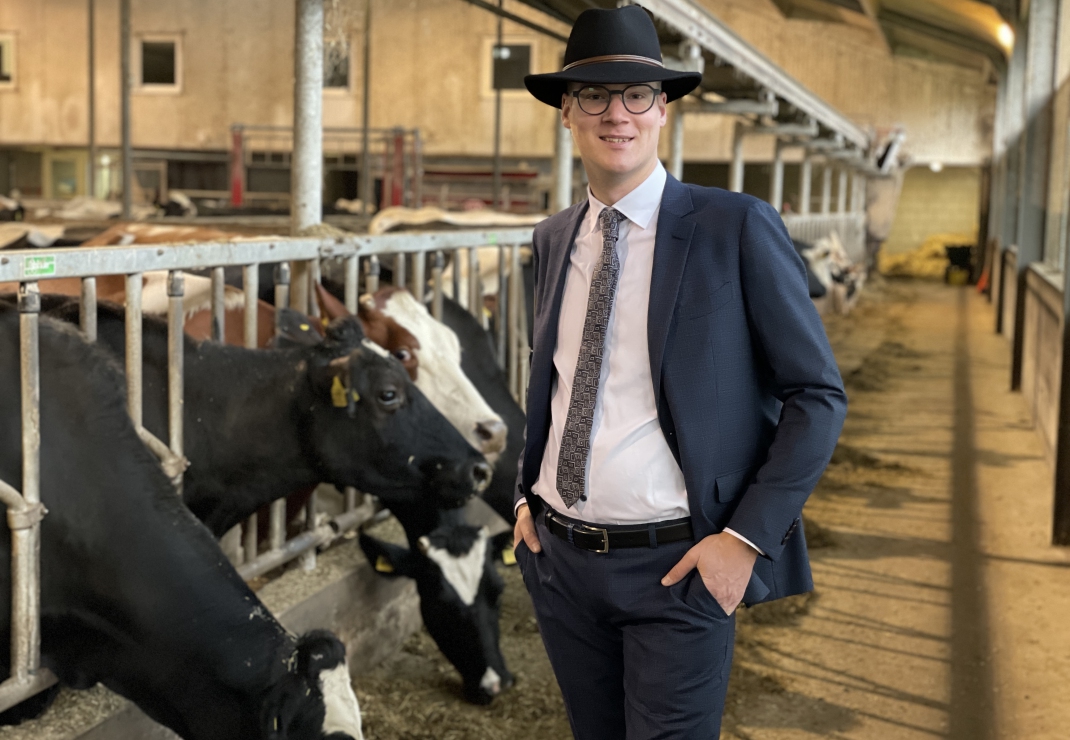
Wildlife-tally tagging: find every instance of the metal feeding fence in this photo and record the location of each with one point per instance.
(850, 227)
(28, 267)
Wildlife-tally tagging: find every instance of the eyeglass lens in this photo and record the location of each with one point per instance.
(595, 99)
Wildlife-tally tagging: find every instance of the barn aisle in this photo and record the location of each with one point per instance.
(929, 534)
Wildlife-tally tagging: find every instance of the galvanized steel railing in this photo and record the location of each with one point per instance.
(28, 267)
(851, 228)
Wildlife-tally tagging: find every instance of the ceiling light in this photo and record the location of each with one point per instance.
(1005, 34)
(936, 166)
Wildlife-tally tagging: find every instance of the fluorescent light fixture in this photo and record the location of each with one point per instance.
(936, 166)
(1005, 34)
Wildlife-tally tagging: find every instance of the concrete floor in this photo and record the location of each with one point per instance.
(939, 608)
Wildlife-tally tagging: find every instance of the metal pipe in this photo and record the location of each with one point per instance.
(307, 159)
(418, 169)
(251, 283)
(841, 192)
(496, 184)
(352, 288)
(26, 543)
(735, 175)
(805, 180)
(366, 194)
(436, 279)
(419, 279)
(399, 269)
(514, 320)
(854, 202)
(219, 306)
(249, 533)
(676, 143)
(826, 188)
(87, 308)
(776, 195)
(124, 97)
(282, 291)
(176, 288)
(277, 525)
(351, 496)
(133, 346)
(313, 280)
(91, 113)
(371, 282)
(308, 557)
(455, 260)
(502, 305)
(475, 296)
(562, 167)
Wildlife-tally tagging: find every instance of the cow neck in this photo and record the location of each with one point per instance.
(251, 423)
(419, 519)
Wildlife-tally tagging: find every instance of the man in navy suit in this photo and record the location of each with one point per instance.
(683, 402)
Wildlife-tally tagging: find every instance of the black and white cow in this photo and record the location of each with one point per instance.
(264, 424)
(135, 592)
(453, 564)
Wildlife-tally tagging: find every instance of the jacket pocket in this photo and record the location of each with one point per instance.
(707, 302)
(730, 485)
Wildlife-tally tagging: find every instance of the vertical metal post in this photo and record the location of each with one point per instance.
(419, 279)
(855, 204)
(176, 288)
(776, 195)
(841, 192)
(497, 179)
(352, 495)
(366, 195)
(91, 113)
(314, 279)
(735, 175)
(133, 346)
(282, 291)
(562, 167)
(502, 304)
(399, 269)
(87, 308)
(418, 169)
(371, 282)
(308, 558)
(124, 97)
(251, 285)
(826, 188)
(676, 142)
(219, 307)
(475, 296)
(455, 260)
(805, 179)
(515, 307)
(26, 543)
(436, 277)
(237, 165)
(306, 189)
(352, 287)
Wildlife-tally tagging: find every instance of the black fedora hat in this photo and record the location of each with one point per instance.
(612, 47)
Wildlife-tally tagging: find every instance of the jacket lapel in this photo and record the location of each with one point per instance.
(671, 245)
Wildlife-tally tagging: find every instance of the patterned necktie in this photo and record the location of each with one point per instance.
(576, 440)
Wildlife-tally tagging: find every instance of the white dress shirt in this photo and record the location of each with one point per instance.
(632, 476)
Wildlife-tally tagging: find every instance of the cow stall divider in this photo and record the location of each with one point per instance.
(850, 227)
(29, 267)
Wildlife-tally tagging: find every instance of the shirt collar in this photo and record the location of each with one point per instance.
(640, 205)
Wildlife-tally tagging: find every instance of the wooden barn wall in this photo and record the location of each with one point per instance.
(429, 70)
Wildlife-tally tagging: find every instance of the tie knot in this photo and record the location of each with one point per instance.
(610, 220)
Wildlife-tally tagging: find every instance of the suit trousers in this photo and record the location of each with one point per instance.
(635, 660)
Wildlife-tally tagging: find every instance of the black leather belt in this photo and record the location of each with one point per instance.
(603, 539)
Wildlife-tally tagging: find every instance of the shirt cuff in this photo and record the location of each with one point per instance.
(523, 502)
(741, 538)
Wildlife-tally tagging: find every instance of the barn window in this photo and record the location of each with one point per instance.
(511, 63)
(7, 60)
(336, 65)
(159, 63)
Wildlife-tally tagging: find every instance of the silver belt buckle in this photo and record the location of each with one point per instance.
(596, 530)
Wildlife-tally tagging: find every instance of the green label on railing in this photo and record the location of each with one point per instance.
(39, 266)
(492, 238)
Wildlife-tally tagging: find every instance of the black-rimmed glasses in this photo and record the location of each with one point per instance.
(594, 100)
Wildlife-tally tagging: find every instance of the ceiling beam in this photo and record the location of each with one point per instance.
(899, 20)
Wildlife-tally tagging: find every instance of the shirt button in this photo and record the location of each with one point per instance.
(583, 497)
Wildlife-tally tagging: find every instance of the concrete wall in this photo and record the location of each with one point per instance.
(430, 69)
(1041, 352)
(935, 202)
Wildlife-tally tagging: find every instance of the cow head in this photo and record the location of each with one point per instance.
(460, 600)
(441, 378)
(314, 700)
(377, 326)
(363, 400)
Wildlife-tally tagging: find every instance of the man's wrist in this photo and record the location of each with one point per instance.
(744, 540)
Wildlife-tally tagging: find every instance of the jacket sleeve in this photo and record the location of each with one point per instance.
(518, 492)
(791, 340)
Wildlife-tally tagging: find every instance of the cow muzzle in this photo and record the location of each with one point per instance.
(492, 435)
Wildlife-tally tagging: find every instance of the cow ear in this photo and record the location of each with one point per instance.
(294, 329)
(333, 382)
(330, 307)
(387, 559)
(345, 333)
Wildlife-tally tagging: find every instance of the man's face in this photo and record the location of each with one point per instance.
(618, 142)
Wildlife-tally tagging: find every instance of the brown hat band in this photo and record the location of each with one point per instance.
(615, 58)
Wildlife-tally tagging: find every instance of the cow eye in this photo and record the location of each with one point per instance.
(389, 398)
(403, 354)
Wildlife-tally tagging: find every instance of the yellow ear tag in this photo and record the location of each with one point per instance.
(305, 327)
(338, 393)
(356, 396)
(383, 565)
(508, 556)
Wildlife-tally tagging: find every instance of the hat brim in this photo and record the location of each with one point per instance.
(548, 88)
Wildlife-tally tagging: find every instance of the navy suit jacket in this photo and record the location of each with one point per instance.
(748, 393)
